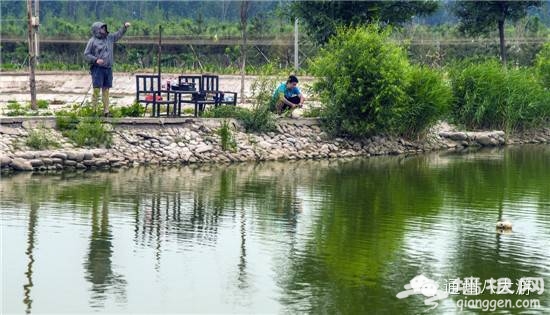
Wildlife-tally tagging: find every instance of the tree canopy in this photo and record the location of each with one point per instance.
(481, 17)
(322, 18)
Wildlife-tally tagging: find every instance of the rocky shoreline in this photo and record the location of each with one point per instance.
(146, 141)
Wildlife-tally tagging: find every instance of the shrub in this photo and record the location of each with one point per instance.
(65, 120)
(542, 64)
(39, 140)
(259, 117)
(477, 89)
(135, 110)
(527, 102)
(366, 84)
(87, 110)
(227, 138)
(362, 77)
(90, 132)
(42, 104)
(83, 131)
(428, 99)
(490, 96)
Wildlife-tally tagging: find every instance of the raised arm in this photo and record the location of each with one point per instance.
(118, 34)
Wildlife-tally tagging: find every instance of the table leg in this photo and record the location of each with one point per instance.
(179, 105)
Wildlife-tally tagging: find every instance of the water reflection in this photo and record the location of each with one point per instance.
(98, 265)
(27, 300)
(328, 236)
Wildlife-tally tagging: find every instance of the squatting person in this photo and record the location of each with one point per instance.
(288, 95)
(99, 53)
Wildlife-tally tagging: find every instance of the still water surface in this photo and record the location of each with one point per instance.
(311, 236)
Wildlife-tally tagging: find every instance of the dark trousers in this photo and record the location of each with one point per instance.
(294, 100)
(102, 77)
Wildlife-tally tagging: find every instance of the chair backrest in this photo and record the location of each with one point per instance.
(210, 82)
(195, 79)
(146, 83)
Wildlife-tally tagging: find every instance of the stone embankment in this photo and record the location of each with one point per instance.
(142, 141)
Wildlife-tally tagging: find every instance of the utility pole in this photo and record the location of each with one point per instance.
(32, 25)
(296, 63)
(244, 21)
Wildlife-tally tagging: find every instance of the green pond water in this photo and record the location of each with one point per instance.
(340, 236)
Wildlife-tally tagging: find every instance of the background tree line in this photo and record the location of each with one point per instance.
(438, 21)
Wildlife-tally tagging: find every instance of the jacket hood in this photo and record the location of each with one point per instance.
(96, 27)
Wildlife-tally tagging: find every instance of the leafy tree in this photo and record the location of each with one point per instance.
(480, 17)
(323, 17)
(367, 86)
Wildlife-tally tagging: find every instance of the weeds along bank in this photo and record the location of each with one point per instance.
(35, 144)
(368, 85)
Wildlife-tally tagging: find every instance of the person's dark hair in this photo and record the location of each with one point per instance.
(292, 79)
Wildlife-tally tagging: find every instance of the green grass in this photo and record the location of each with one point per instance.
(38, 139)
(134, 110)
(257, 119)
(65, 120)
(224, 112)
(312, 112)
(489, 96)
(90, 132)
(188, 111)
(83, 127)
(42, 104)
(15, 109)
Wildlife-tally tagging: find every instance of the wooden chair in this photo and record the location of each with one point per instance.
(148, 91)
(146, 86)
(170, 99)
(210, 83)
(211, 87)
(207, 92)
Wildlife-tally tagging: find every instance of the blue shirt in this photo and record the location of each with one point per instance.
(282, 91)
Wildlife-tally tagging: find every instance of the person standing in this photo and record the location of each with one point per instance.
(99, 53)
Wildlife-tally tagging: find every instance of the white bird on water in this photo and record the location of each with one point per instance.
(504, 225)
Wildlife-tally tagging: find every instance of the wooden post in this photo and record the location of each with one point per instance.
(296, 64)
(36, 25)
(32, 56)
(160, 48)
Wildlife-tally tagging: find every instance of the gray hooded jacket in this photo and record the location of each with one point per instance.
(100, 46)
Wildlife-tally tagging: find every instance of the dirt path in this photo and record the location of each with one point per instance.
(62, 88)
